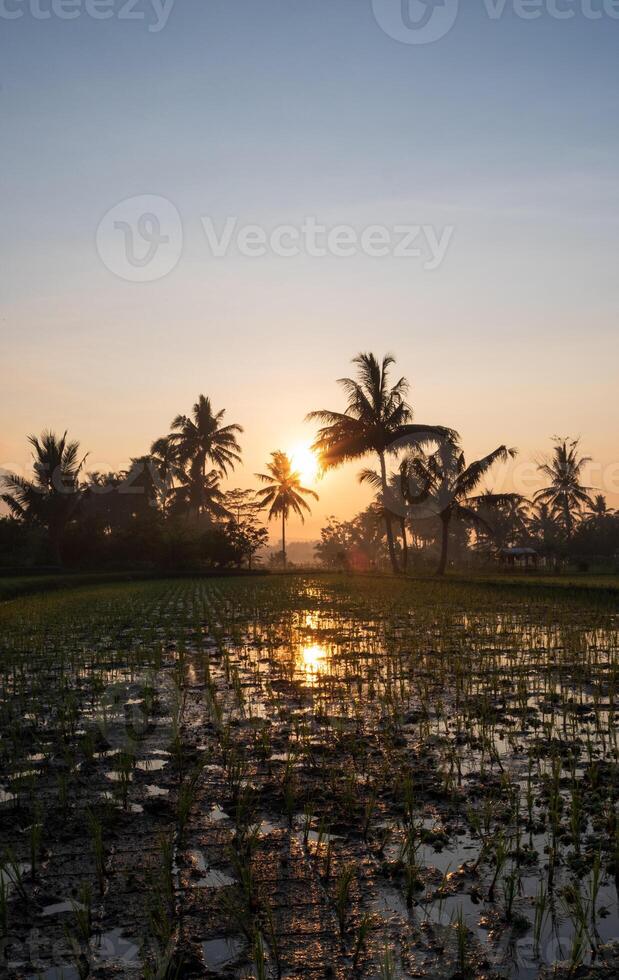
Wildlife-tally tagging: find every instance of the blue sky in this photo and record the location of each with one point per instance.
(505, 130)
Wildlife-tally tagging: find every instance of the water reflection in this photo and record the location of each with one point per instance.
(313, 659)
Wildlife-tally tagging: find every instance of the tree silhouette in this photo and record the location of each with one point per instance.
(199, 492)
(202, 439)
(283, 492)
(165, 465)
(565, 493)
(51, 498)
(448, 488)
(195, 444)
(392, 504)
(507, 515)
(378, 419)
(599, 509)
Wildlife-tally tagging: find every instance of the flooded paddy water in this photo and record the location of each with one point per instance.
(309, 776)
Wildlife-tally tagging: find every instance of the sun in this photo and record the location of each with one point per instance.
(304, 461)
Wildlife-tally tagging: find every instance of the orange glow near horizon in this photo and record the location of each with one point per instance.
(305, 462)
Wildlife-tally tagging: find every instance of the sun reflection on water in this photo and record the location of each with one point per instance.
(312, 659)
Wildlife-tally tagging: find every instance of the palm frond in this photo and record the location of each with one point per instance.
(473, 474)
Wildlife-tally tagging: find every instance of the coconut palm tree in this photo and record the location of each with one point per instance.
(544, 529)
(377, 419)
(164, 463)
(565, 493)
(195, 444)
(508, 516)
(599, 509)
(142, 481)
(202, 439)
(51, 498)
(199, 493)
(395, 503)
(283, 492)
(448, 485)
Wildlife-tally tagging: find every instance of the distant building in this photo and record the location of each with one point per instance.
(523, 558)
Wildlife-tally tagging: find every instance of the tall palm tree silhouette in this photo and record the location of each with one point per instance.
(565, 493)
(394, 505)
(164, 464)
(377, 419)
(283, 492)
(202, 439)
(204, 450)
(199, 493)
(51, 498)
(543, 527)
(449, 485)
(599, 509)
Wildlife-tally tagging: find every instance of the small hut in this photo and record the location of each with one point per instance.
(524, 559)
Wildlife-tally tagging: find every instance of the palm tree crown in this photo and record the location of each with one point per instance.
(202, 438)
(374, 413)
(565, 493)
(283, 492)
(165, 468)
(377, 419)
(52, 496)
(599, 508)
(200, 493)
(449, 485)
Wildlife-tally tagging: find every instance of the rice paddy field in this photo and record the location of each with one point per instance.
(309, 776)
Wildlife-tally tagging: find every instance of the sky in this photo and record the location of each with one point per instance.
(467, 184)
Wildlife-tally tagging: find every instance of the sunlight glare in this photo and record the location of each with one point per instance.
(313, 658)
(304, 461)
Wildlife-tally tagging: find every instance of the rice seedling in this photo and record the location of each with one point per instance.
(36, 836)
(368, 813)
(541, 912)
(272, 935)
(82, 913)
(578, 949)
(462, 943)
(12, 876)
(500, 857)
(4, 901)
(383, 710)
(161, 901)
(387, 967)
(362, 933)
(95, 828)
(510, 891)
(308, 816)
(342, 895)
(186, 797)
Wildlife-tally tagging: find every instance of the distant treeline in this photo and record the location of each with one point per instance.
(168, 510)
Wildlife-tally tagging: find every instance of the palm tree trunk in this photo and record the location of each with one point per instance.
(404, 545)
(445, 521)
(569, 526)
(284, 538)
(389, 528)
(55, 535)
(202, 495)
